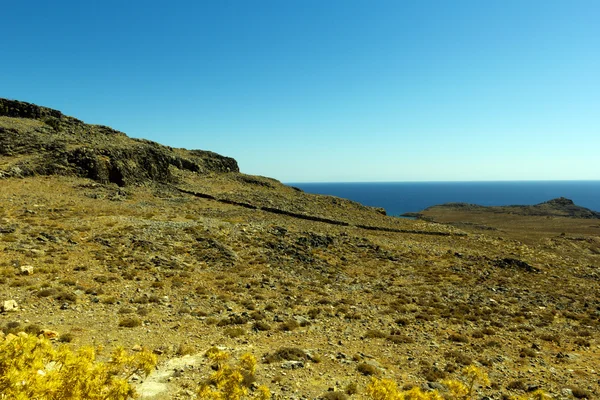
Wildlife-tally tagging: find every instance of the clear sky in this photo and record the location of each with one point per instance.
(326, 90)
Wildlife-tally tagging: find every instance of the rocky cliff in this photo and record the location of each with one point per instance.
(38, 140)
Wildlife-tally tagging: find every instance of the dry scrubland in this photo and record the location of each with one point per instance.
(322, 307)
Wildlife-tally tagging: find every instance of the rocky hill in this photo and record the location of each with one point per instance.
(107, 240)
(37, 140)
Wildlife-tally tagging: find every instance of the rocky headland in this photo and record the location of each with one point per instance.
(559, 207)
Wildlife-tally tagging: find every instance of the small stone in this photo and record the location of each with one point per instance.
(26, 270)
(301, 320)
(137, 347)
(532, 388)
(292, 365)
(136, 378)
(374, 363)
(566, 392)
(10, 306)
(436, 386)
(48, 334)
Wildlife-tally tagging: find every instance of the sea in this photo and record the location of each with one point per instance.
(401, 197)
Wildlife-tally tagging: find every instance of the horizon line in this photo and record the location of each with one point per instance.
(448, 181)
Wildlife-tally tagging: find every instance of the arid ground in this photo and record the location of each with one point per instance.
(323, 291)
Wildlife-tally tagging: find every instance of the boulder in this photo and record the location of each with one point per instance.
(292, 365)
(10, 306)
(26, 270)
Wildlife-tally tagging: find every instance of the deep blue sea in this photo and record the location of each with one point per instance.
(401, 197)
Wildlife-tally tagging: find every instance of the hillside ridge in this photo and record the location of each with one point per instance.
(42, 141)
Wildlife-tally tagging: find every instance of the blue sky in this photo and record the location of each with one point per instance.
(336, 90)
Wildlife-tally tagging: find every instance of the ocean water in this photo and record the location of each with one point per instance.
(400, 197)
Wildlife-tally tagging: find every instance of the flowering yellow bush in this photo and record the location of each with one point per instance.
(230, 382)
(537, 395)
(32, 368)
(385, 389)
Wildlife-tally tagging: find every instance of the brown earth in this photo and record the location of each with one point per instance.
(179, 259)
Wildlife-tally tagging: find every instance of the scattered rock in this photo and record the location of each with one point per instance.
(513, 263)
(26, 270)
(10, 306)
(292, 365)
(48, 334)
(436, 386)
(566, 392)
(532, 388)
(302, 321)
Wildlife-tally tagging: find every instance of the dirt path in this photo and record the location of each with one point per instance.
(157, 385)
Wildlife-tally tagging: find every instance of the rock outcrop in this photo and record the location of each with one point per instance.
(20, 109)
(42, 141)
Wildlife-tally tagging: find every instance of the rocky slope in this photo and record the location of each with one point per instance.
(37, 140)
(188, 253)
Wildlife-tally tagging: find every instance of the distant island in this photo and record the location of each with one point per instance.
(559, 207)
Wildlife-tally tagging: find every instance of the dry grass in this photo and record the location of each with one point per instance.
(233, 278)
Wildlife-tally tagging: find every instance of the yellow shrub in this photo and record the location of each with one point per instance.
(230, 382)
(463, 390)
(32, 368)
(385, 389)
(537, 395)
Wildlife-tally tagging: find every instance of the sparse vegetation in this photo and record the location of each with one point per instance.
(53, 373)
(172, 260)
(231, 382)
(130, 322)
(366, 369)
